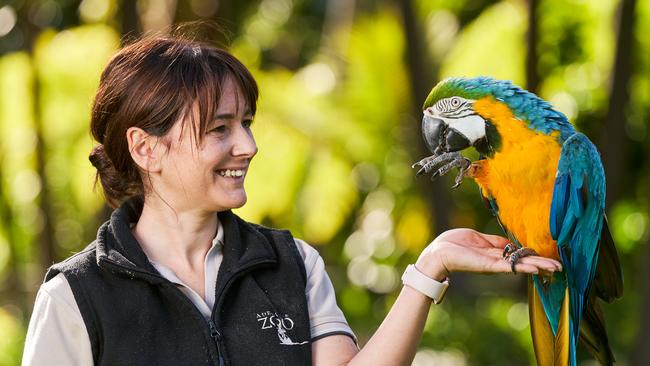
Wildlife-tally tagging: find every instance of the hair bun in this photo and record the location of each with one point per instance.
(99, 159)
(116, 188)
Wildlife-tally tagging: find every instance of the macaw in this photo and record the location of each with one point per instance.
(545, 184)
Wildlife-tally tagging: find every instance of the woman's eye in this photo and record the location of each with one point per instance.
(219, 129)
(247, 123)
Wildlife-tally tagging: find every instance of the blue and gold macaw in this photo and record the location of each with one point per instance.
(545, 183)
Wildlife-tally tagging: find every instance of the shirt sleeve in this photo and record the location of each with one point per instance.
(57, 334)
(325, 317)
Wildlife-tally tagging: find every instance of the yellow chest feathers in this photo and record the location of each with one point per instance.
(520, 177)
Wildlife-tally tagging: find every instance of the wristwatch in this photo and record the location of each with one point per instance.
(417, 280)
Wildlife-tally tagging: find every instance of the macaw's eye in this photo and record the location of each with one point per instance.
(455, 102)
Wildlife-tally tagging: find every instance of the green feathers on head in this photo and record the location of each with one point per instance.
(458, 87)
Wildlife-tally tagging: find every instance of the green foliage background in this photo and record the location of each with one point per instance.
(335, 128)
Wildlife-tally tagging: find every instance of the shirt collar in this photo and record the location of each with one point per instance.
(218, 239)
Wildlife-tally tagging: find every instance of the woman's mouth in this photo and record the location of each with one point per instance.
(231, 173)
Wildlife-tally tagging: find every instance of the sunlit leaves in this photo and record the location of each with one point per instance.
(576, 54)
(69, 64)
(355, 301)
(629, 225)
(491, 45)
(334, 132)
(413, 229)
(16, 122)
(375, 85)
(276, 172)
(327, 197)
(20, 182)
(12, 334)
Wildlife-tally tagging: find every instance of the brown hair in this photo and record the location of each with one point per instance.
(151, 84)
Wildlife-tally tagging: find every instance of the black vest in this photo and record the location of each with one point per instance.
(134, 316)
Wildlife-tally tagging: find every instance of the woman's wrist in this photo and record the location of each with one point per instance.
(431, 264)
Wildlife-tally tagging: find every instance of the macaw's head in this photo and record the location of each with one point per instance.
(450, 122)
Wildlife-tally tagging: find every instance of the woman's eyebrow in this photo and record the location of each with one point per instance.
(230, 115)
(225, 116)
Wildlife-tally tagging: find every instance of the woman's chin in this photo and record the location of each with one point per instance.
(232, 203)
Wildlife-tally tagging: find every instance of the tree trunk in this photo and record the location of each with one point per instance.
(613, 139)
(46, 236)
(422, 75)
(130, 21)
(532, 75)
(613, 146)
(338, 21)
(640, 354)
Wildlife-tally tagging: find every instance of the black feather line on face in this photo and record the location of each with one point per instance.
(491, 143)
(460, 114)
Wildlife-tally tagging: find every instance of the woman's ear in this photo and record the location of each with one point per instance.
(146, 150)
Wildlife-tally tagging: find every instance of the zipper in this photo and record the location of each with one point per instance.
(214, 331)
(216, 337)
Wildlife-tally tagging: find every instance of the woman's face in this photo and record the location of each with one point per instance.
(210, 176)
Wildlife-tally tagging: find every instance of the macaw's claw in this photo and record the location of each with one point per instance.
(442, 164)
(509, 248)
(433, 162)
(463, 165)
(516, 255)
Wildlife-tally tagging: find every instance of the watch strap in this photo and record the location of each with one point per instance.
(417, 280)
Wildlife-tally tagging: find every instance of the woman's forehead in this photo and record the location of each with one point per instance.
(232, 100)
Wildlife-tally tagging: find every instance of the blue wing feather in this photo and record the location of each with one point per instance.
(576, 219)
(558, 206)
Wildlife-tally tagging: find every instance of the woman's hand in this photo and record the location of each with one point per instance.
(466, 250)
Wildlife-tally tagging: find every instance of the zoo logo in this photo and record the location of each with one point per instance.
(270, 320)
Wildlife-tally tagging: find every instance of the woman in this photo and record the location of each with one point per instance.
(174, 276)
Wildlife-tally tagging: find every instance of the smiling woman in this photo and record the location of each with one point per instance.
(174, 277)
(148, 87)
(204, 172)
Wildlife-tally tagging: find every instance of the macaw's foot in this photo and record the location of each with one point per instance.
(464, 165)
(514, 256)
(509, 248)
(442, 164)
(434, 162)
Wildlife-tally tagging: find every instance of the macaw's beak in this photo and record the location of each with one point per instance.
(439, 137)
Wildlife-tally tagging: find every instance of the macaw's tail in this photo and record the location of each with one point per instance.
(559, 348)
(550, 349)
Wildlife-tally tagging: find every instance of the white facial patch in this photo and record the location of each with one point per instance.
(472, 126)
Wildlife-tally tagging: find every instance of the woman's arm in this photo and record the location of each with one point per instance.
(396, 340)
(57, 334)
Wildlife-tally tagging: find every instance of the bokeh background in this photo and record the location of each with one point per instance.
(342, 82)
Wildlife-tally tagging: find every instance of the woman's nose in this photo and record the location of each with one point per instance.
(244, 144)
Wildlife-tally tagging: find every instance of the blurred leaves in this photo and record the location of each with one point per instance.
(334, 130)
(490, 45)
